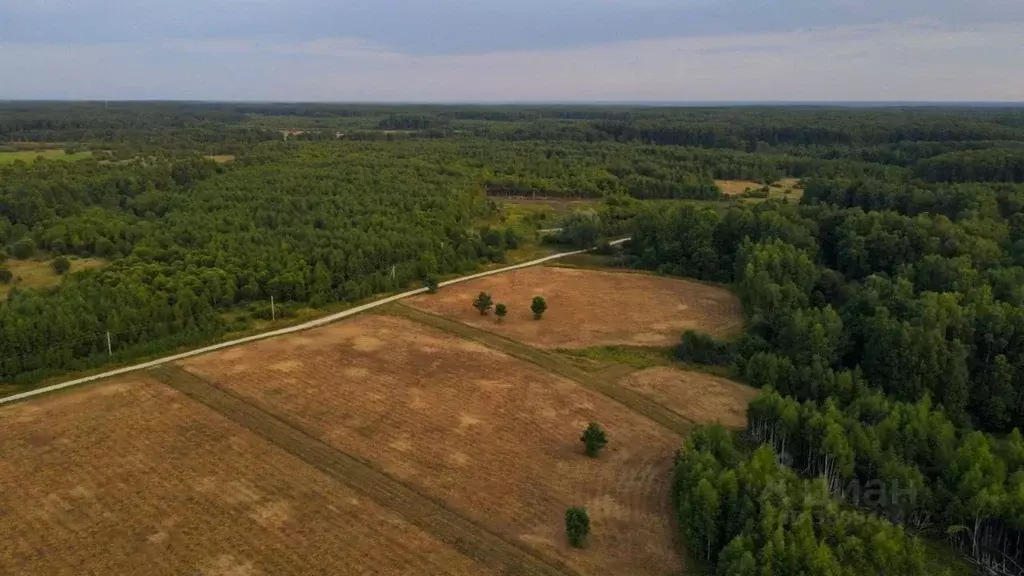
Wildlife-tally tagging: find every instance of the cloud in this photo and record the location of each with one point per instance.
(910, 61)
(466, 26)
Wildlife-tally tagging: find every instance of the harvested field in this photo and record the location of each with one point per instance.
(588, 308)
(131, 477)
(700, 397)
(495, 438)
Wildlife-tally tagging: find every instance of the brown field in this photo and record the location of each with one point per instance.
(737, 187)
(589, 308)
(40, 274)
(222, 158)
(132, 478)
(496, 438)
(785, 188)
(700, 397)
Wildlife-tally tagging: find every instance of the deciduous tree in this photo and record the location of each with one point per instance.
(483, 303)
(594, 439)
(538, 306)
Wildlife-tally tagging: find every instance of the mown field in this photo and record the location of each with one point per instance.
(495, 437)
(384, 444)
(131, 477)
(591, 308)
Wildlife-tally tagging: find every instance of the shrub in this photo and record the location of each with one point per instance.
(593, 439)
(577, 526)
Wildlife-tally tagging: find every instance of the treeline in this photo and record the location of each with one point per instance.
(891, 338)
(923, 305)
(906, 462)
(190, 242)
(749, 515)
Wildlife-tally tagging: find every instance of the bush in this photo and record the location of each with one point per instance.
(501, 311)
(431, 284)
(577, 526)
(483, 303)
(593, 439)
(60, 265)
(24, 249)
(538, 306)
(6, 276)
(703, 349)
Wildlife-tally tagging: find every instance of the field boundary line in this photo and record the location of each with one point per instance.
(283, 331)
(428, 513)
(638, 403)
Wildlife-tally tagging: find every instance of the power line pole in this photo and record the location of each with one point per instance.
(110, 351)
(273, 312)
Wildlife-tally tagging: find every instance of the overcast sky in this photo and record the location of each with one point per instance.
(513, 50)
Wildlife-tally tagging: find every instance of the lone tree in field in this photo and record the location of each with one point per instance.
(60, 265)
(5, 276)
(538, 306)
(577, 526)
(501, 311)
(483, 303)
(593, 439)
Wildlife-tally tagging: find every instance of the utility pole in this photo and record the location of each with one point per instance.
(273, 312)
(110, 351)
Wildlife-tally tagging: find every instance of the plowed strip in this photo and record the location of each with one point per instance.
(471, 540)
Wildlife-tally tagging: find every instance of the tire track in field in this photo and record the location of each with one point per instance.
(465, 536)
(636, 402)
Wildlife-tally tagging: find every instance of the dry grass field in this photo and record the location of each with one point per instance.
(132, 478)
(496, 438)
(40, 274)
(785, 188)
(700, 397)
(589, 308)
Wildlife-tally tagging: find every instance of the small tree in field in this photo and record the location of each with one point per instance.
(577, 526)
(538, 307)
(6, 276)
(501, 311)
(593, 439)
(60, 265)
(483, 303)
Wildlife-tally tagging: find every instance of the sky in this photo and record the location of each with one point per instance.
(513, 50)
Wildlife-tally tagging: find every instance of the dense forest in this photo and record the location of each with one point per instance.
(885, 308)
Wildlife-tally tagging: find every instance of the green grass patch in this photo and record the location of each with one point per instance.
(32, 155)
(640, 358)
(636, 357)
(38, 273)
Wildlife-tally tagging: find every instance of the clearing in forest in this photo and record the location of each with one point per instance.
(701, 398)
(784, 188)
(48, 154)
(132, 477)
(588, 308)
(495, 438)
(40, 274)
